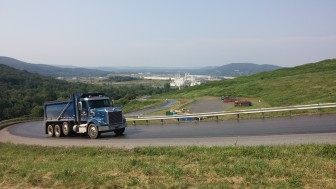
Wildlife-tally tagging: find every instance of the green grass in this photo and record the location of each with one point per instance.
(307, 84)
(135, 105)
(295, 166)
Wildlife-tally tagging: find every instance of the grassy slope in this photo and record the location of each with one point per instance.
(135, 105)
(310, 83)
(298, 166)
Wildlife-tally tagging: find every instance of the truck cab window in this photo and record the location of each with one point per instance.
(99, 103)
(84, 106)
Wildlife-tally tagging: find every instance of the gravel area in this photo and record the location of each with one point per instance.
(209, 105)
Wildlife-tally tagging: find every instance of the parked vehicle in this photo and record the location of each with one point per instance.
(179, 113)
(91, 113)
(243, 103)
(229, 99)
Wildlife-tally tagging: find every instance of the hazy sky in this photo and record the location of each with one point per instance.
(168, 33)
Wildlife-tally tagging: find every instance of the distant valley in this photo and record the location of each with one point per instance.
(229, 70)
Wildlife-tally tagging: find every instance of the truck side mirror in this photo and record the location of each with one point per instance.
(80, 106)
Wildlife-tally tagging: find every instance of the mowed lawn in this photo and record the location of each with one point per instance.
(284, 166)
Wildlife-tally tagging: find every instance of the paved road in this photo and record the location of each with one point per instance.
(286, 130)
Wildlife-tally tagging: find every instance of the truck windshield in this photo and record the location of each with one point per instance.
(99, 103)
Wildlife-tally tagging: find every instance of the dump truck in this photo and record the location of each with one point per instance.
(89, 113)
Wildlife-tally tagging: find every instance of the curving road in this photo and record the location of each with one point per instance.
(285, 130)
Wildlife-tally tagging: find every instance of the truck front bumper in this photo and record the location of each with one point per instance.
(108, 128)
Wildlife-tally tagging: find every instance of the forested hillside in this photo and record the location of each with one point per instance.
(53, 71)
(238, 69)
(24, 93)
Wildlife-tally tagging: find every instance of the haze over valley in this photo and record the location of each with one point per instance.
(229, 70)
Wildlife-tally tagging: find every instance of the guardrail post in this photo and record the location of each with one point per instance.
(134, 123)
(217, 118)
(237, 116)
(263, 115)
(161, 121)
(147, 121)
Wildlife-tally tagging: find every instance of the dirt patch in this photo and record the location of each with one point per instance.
(209, 105)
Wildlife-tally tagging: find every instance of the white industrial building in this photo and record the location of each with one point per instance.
(188, 80)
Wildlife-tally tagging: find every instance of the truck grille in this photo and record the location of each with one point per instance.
(115, 117)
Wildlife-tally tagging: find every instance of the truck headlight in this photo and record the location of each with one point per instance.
(100, 120)
(92, 113)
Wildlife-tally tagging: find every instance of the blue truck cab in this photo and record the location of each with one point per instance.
(91, 113)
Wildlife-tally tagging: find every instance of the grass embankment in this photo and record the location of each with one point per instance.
(307, 84)
(137, 104)
(298, 166)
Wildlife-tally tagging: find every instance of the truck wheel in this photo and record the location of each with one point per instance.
(93, 131)
(58, 130)
(50, 130)
(119, 132)
(66, 128)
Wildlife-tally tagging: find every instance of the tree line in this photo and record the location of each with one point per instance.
(120, 78)
(24, 93)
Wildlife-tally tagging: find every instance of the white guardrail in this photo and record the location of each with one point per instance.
(199, 116)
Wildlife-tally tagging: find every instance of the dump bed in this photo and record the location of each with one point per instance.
(59, 110)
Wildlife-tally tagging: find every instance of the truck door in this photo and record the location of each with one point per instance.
(84, 112)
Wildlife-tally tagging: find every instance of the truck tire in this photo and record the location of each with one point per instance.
(93, 131)
(50, 130)
(119, 132)
(58, 130)
(66, 128)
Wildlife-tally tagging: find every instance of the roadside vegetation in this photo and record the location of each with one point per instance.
(296, 166)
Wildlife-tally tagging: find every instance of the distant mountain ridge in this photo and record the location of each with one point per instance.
(52, 71)
(239, 69)
(230, 70)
